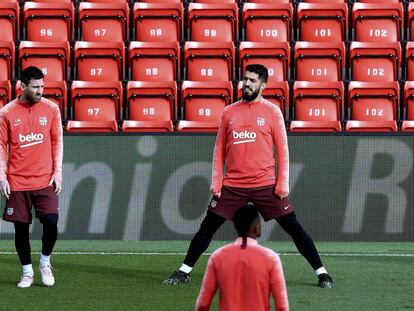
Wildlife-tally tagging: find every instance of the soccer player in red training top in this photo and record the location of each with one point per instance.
(248, 131)
(31, 151)
(244, 272)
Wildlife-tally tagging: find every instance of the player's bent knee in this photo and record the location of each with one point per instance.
(49, 219)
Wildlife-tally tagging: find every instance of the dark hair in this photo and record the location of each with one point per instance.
(243, 219)
(260, 70)
(31, 73)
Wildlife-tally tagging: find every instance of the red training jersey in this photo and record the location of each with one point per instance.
(31, 144)
(245, 278)
(247, 134)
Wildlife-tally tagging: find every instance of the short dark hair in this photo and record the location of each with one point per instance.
(31, 73)
(260, 70)
(243, 219)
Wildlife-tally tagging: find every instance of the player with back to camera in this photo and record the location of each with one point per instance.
(248, 131)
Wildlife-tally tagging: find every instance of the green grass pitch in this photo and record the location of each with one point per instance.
(127, 275)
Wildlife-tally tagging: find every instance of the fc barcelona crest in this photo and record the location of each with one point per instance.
(261, 121)
(43, 121)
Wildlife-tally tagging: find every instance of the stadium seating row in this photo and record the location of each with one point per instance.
(214, 21)
(197, 106)
(209, 61)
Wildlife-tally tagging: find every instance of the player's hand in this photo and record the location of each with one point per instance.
(281, 192)
(5, 188)
(216, 194)
(58, 184)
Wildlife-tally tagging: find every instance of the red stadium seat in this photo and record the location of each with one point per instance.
(325, 1)
(150, 107)
(408, 114)
(158, 22)
(377, 22)
(409, 61)
(52, 1)
(95, 106)
(48, 21)
(317, 106)
(99, 61)
(215, 1)
(56, 91)
(269, 1)
(5, 93)
(7, 59)
(319, 22)
(267, 22)
(154, 61)
(213, 22)
(380, 1)
(53, 58)
(9, 21)
(209, 61)
(275, 56)
(202, 105)
(107, 1)
(319, 61)
(104, 21)
(161, 1)
(373, 106)
(276, 92)
(375, 62)
(410, 21)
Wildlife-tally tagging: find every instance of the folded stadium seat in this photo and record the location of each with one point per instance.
(375, 61)
(103, 21)
(321, 22)
(410, 22)
(269, 1)
(317, 106)
(56, 91)
(48, 21)
(275, 56)
(209, 61)
(160, 1)
(319, 61)
(99, 61)
(276, 92)
(325, 1)
(7, 59)
(158, 22)
(9, 21)
(53, 58)
(408, 108)
(409, 61)
(107, 1)
(215, 1)
(150, 106)
(52, 1)
(379, 1)
(213, 22)
(267, 22)
(154, 61)
(95, 106)
(202, 104)
(373, 106)
(5, 93)
(377, 22)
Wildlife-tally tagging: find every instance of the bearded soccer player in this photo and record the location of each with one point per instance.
(249, 129)
(31, 152)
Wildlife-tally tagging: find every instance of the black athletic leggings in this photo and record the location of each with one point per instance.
(289, 223)
(22, 242)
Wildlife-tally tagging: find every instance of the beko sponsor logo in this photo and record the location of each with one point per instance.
(30, 139)
(244, 137)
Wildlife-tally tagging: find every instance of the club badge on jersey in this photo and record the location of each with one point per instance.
(43, 121)
(261, 121)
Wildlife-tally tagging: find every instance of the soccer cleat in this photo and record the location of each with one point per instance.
(325, 281)
(25, 282)
(178, 277)
(47, 276)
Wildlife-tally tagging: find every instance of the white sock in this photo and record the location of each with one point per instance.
(321, 270)
(44, 260)
(185, 268)
(28, 270)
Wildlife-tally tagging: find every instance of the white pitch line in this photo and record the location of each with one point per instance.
(208, 254)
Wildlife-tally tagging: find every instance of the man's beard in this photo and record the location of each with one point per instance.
(33, 99)
(250, 97)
